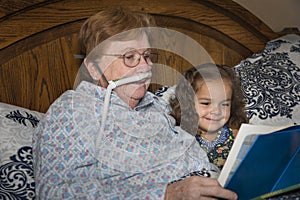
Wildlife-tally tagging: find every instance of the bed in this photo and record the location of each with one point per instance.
(38, 63)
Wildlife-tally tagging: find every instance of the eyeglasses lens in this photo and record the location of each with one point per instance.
(133, 58)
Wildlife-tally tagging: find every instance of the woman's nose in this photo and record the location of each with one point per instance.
(144, 61)
(144, 66)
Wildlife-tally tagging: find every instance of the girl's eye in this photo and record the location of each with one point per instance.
(204, 103)
(226, 104)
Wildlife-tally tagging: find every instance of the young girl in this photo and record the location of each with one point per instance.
(209, 104)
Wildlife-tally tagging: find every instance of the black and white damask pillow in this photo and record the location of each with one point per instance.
(166, 92)
(271, 82)
(17, 180)
(16, 169)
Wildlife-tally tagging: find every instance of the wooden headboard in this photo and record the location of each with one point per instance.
(38, 40)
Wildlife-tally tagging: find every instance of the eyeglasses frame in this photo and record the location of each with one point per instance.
(134, 50)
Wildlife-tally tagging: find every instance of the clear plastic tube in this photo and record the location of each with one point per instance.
(112, 85)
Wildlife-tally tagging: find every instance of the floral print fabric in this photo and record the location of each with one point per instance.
(141, 150)
(218, 150)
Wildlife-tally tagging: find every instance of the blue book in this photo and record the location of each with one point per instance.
(264, 161)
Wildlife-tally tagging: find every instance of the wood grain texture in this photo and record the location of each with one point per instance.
(35, 78)
(45, 16)
(38, 40)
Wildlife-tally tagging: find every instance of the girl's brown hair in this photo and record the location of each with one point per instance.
(183, 105)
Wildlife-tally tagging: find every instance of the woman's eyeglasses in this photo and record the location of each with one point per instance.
(132, 58)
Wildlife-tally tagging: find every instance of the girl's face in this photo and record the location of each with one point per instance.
(213, 104)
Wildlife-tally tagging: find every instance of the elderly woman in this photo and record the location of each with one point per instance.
(110, 138)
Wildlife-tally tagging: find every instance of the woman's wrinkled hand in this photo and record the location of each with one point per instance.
(197, 187)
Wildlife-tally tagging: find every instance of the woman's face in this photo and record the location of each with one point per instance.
(213, 104)
(130, 93)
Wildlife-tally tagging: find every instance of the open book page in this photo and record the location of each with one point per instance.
(245, 138)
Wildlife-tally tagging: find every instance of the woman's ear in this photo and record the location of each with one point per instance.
(96, 73)
(92, 70)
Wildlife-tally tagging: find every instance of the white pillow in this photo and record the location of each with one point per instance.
(16, 170)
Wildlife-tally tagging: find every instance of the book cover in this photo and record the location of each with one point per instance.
(264, 160)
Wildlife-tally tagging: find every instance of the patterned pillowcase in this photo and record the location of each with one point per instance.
(271, 82)
(166, 92)
(16, 170)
